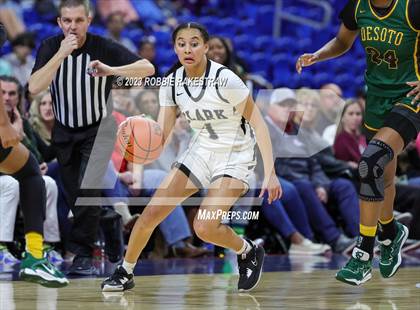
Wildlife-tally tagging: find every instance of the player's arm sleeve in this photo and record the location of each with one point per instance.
(45, 52)
(414, 14)
(348, 16)
(166, 93)
(232, 88)
(119, 55)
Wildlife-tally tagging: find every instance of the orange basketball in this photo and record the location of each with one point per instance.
(140, 140)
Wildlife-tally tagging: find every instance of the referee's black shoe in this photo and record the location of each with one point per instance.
(119, 281)
(250, 267)
(82, 266)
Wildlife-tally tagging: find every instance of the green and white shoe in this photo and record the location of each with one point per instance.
(41, 271)
(391, 252)
(358, 269)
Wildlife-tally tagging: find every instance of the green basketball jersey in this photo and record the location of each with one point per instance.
(392, 49)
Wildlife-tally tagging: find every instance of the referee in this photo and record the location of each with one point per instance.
(80, 68)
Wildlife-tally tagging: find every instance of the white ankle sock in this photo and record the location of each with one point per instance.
(246, 247)
(129, 267)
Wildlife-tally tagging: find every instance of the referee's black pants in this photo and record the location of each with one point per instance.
(83, 155)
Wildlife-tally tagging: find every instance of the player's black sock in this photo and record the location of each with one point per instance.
(32, 195)
(387, 231)
(366, 243)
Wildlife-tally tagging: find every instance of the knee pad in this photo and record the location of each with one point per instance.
(30, 169)
(371, 170)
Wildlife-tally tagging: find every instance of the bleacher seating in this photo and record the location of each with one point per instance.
(250, 30)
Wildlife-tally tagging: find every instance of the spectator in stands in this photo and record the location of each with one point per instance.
(338, 192)
(294, 164)
(11, 17)
(47, 10)
(14, 95)
(123, 102)
(21, 59)
(32, 140)
(330, 107)
(321, 149)
(349, 143)
(115, 25)
(147, 50)
(9, 200)
(220, 52)
(5, 68)
(147, 103)
(42, 116)
(289, 217)
(106, 8)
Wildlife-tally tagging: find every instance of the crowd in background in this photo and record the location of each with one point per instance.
(319, 209)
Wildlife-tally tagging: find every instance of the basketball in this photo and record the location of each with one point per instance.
(140, 140)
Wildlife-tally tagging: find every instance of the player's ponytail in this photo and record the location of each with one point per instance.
(174, 67)
(204, 34)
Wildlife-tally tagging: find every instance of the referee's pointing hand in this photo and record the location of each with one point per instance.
(68, 45)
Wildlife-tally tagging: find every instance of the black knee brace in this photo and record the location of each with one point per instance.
(32, 195)
(371, 170)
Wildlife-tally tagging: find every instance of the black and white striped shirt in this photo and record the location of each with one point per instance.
(80, 100)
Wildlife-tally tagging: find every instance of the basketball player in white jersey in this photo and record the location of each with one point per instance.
(220, 156)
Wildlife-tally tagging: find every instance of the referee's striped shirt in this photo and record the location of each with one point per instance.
(80, 100)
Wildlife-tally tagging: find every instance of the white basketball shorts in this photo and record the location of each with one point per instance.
(205, 166)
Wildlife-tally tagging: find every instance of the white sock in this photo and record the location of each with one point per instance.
(129, 267)
(245, 248)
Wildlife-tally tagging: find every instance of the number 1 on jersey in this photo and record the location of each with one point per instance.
(212, 133)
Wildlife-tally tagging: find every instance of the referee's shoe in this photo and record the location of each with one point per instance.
(250, 267)
(82, 266)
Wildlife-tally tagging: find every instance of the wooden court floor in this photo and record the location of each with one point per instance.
(277, 290)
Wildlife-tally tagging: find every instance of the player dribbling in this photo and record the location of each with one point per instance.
(220, 157)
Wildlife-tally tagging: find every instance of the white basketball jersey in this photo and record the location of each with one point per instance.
(210, 109)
